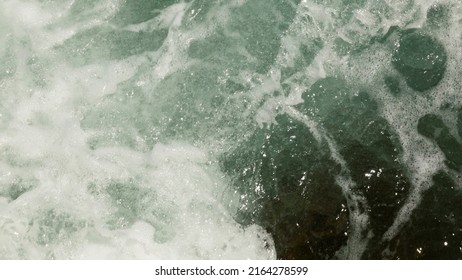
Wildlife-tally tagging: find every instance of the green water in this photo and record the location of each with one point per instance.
(200, 129)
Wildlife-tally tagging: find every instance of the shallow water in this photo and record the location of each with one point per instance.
(234, 129)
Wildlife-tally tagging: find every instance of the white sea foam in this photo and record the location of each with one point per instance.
(55, 190)
(55, 196)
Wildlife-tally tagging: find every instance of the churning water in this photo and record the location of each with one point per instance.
(230, 129)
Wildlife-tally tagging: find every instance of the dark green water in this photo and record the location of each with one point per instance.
(200, 129)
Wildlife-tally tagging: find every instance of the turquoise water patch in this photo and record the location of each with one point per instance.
(99, 44)
(55, 227)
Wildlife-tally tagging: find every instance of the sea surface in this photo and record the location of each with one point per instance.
(230, 129)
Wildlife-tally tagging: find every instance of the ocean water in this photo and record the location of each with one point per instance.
(230, 129)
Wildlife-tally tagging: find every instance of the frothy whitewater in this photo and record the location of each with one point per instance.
(230, 129)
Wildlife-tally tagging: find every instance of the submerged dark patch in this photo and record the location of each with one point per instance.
(421, 60)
